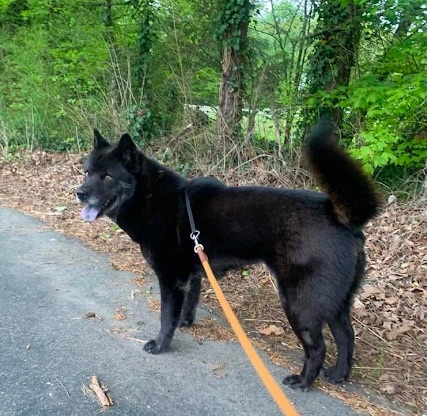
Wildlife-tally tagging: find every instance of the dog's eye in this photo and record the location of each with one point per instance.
(108, 177)
(86, 173)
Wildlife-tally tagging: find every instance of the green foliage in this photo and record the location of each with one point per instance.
(393, 119)
(48, 69)
(204, 86)
(337, 22)
(234, 15)
(232, 28)
(384, 102)
(139, 65)
(394, 113)
(183, 66)
(139, 120)
(141, 117)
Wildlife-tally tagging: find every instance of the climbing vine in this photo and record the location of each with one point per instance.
(335, 45)
(233, 36)
(140, 116)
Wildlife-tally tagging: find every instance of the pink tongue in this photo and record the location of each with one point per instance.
(89, 213)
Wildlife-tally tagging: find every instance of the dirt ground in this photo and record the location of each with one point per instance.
(389, 313)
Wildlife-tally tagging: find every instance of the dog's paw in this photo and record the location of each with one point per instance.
(186, 322)
(295, 381)
(153, 347)
(334, 376)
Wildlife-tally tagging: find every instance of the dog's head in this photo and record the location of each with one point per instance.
(109, 177)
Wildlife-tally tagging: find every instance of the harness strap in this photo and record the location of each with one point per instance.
(194, 233)
(190, 213)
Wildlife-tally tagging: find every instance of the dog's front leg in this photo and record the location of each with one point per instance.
(172, 299)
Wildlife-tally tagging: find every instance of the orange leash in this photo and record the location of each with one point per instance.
(273, 388)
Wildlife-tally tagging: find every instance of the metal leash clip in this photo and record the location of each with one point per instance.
(194, 236)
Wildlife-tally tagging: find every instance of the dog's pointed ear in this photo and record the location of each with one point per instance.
(127, 150)
(98, 140)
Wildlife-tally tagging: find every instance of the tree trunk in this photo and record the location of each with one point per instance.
(235, 20)
(230, 95)
(338, 35)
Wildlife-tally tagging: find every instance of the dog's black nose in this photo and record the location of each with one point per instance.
(81, 196)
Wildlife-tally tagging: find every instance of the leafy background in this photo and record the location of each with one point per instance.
(148, 67)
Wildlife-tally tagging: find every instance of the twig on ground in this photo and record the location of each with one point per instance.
(262, 320)
(372, 331)
(66, 391)
(104, 399)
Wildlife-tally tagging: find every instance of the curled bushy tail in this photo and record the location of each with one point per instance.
(351, 191)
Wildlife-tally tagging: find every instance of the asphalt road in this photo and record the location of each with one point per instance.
(47, 352)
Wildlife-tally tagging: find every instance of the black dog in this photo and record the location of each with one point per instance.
(311, 241)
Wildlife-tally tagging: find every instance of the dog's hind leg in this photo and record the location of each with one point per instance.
(308, 328)
(343, 334)
(172, 299)
(191, 300)
(341, 327)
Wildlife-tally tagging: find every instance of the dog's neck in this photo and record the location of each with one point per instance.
(156, 186)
